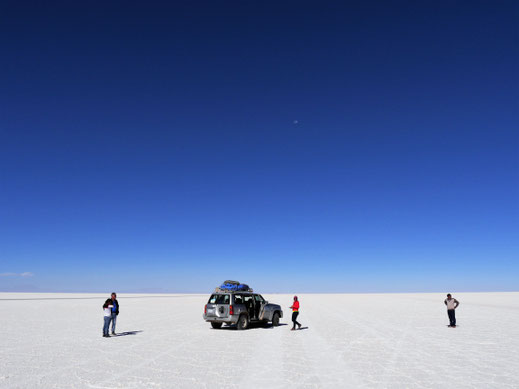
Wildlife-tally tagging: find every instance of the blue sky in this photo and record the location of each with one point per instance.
(298, 147)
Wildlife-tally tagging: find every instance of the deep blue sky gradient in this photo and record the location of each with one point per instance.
(167, 146)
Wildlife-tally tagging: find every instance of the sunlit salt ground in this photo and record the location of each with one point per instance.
(352, 341)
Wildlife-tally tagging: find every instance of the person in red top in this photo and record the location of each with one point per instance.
(295, 313)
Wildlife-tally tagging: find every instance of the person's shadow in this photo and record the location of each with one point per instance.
(127, 333)
(268, 326)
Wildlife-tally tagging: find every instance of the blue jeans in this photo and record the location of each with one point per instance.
(114, 319)
(106, 326)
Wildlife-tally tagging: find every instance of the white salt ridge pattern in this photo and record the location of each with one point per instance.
(352, 341)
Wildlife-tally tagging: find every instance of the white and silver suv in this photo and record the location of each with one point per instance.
(240, 309)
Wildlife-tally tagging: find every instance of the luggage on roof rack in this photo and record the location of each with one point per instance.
(233, 286)
(220, 290)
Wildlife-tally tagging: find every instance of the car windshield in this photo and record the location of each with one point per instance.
(219, 299)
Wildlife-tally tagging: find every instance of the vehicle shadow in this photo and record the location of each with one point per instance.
(127, 333)
(252, 326)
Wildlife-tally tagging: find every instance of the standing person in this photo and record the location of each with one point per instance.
(451, 304)
(115, 311)
(107, 308)
(295, 313)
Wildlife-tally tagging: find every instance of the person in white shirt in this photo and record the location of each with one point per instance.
(451, 304)
(107, 308)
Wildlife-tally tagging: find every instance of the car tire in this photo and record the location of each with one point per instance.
(216, 325)
(275, 319)
(243, 323)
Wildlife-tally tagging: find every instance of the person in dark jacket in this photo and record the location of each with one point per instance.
(111, 307)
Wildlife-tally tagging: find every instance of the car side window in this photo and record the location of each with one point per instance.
(258, 298)
(238, 299)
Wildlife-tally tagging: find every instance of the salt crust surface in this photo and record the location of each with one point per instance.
(352, 341)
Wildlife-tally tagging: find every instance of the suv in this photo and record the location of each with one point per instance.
(240, 308)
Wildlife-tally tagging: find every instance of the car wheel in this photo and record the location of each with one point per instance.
(216, 325)
(275, 319)
(243, 322)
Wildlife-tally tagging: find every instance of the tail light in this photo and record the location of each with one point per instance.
(205, 309)
(231, 310)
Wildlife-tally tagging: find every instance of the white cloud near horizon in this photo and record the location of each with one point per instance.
(24, 274)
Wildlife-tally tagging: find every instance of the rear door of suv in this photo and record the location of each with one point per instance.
(218, 306)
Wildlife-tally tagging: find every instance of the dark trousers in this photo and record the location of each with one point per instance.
(294, 320)
(452, 316)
